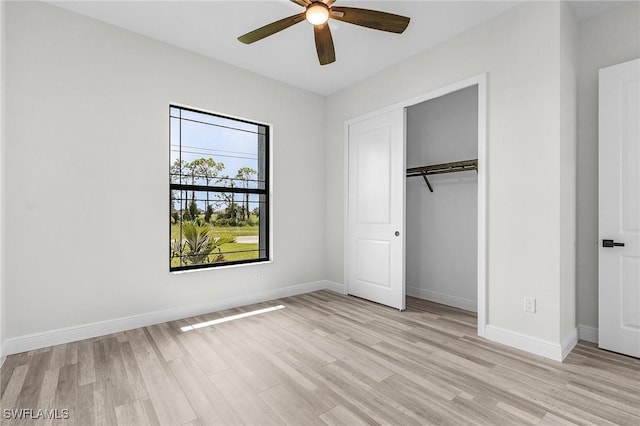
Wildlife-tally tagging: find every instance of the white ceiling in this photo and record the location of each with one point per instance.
(211, 28)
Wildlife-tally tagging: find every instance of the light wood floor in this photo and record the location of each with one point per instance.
(323, 359)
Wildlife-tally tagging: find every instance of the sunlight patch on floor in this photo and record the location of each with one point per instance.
(231, 318)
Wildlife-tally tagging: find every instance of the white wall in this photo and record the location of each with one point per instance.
(87, 162)
(442, 226)
(520, 51)
(605, 40)
(2, 190)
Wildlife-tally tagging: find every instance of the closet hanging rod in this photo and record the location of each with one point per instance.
(436, 169)
(456, 166)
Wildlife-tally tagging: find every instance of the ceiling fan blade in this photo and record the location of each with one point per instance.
(324, 44)
(300, 2)
(374, 19)
(271, 29)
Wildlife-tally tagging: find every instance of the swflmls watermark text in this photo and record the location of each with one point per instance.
(35, 414)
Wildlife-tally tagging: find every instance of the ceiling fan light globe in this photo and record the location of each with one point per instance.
(317, 14)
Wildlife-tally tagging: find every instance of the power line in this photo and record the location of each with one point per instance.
(212, 149)
(221, 155)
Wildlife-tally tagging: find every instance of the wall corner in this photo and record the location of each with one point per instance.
(2, 189)
(568, 172)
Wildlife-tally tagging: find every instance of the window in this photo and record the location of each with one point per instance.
(219, 186)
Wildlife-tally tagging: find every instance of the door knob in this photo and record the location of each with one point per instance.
(397, 233)
(611, 243)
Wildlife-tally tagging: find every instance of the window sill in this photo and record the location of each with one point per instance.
(215, 268)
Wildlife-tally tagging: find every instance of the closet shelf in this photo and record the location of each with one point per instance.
(437, 169)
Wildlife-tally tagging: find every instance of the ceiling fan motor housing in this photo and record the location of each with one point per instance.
(317, 13)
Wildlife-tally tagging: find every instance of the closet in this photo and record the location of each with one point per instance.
(441, 208)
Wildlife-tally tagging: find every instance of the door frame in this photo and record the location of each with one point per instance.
(479, 80)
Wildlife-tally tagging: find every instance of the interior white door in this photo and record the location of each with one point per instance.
(619, 210)
(375, 225)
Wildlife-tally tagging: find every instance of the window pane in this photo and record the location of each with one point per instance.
(215, 156)
(212, 227)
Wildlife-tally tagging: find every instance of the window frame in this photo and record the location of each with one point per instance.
(266, 192)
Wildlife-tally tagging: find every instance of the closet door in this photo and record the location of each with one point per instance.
(375, 225)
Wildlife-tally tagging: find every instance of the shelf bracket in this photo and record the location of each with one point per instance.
(424, 176)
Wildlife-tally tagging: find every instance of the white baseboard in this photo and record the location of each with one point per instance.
(588, 333)
(445, 299)
(337, 287)
(534, 345)
(85, 331)
(569, 343)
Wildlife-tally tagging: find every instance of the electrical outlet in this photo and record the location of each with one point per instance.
(530, 304)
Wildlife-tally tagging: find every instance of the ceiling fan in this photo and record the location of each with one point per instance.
(318, 12)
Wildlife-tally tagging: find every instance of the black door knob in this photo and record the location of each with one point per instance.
(611, 243)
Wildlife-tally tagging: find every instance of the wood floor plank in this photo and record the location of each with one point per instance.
(46, 398)
(203, 396)
(133, 375)
(479, 411)
(292, 375)
(414, 371)
(67, 392)
(324, 350)
(86, 368)
(103, 399)
(132, 414)
(59, 356)
(5, 375)
(168, 347)
(301, 362)
(250, 408)
(521, 414)
(552, 420)
(339, 415)
(151, 413)
(169, 402)
(366, 396)
(138, 340)
(102, 413)
(365, 366)
(34, 380)
(112, 386)
(17, 360)
(253, 369)
(427, 402)
(71, 354)
(324, 359)
(14, 387)
(290, 407)
(203, 353)
(85, 407)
